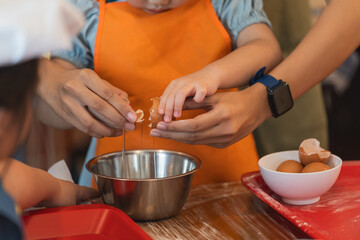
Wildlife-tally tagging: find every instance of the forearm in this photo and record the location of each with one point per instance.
(332, 39)
(257, 47)
(27, 185)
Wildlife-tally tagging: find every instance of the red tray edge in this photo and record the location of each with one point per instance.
(278, 207)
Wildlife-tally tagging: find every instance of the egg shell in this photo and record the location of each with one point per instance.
(310, 151)
(155, 116)
(315, 167)
(140, 115)
(290, 166)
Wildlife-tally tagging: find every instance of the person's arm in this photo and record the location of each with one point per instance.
(332, 39)
(30, 186)
(71, 92)
(256, 47)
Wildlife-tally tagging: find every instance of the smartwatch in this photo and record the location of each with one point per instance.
(279, 94)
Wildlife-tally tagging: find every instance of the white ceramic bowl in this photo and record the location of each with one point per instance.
(298, 188)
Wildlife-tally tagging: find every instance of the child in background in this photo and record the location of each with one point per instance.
(140, 46)
(22, 185)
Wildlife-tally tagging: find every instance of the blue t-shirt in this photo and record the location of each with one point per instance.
(10, 223)
(235, 15)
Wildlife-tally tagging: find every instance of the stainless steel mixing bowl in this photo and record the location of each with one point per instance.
(146, 184)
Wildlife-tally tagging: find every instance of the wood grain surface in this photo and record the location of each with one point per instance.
(223, 211)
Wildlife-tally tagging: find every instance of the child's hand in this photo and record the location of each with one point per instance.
(199, 85)
(70, 193)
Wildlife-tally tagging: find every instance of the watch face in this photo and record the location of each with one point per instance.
(280, 99)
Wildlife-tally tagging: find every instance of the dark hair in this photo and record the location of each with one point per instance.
(17, 84)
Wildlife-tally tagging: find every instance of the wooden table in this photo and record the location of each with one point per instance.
(223, 211)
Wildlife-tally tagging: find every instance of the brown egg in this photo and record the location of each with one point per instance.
(290, 166)
(310, 151)
(315, 167)
(155, 116)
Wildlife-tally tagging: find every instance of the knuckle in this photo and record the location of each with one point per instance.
(170, 127)
(226, 113)
(192, 137)
(194, 127)
(165, 135)
(181, 93)
(69, 86)
(97, 106)
(85, 73)
(108, 94)
(230, 129)
(88, 124)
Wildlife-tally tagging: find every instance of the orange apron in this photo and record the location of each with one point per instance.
(141, 53)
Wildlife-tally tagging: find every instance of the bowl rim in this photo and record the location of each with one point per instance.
(298, 174)
(95, 158)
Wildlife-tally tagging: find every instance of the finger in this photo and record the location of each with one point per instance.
(211, 136)
(106, 91)
(82, 120)
(120, 92)
(196, 124)
(169, 107)
(85, 194)
(97, 104)
(162, 104)
(178, 105)
(200, 94)
(207, 102)
(127, 126)
(218, 136)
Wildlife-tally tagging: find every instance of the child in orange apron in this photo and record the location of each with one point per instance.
(140, 47)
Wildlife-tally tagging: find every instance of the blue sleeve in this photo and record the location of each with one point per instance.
(236, 15)
(10, 223)
(82, 52)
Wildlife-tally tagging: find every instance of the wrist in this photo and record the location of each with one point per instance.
(262, 106)
(214, 74)
(278, 92)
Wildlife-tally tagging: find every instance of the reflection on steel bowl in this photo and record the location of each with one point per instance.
(146, 184)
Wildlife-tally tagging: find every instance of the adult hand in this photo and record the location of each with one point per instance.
(230, 117)
(83, 99)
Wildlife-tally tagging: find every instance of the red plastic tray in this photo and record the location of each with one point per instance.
(335, 216)
(82, 222)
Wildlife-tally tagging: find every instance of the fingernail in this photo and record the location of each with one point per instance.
(177, 114)
(126, 100)
(167, 119)
(129, 126)
(161, 126)
(132, 117)
(154, 133)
